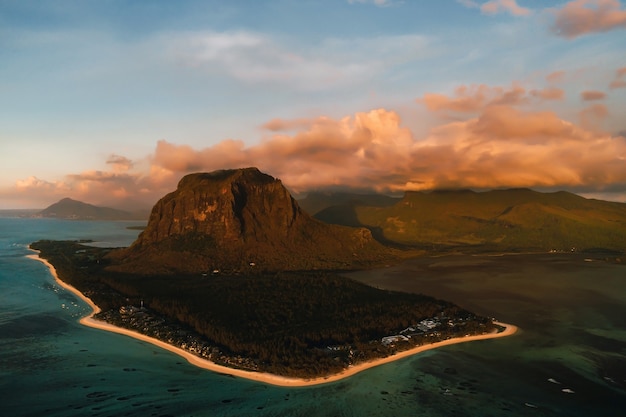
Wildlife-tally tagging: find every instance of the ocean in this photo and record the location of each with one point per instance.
(567, 359)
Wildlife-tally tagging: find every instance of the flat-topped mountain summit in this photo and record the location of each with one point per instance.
(241, 220)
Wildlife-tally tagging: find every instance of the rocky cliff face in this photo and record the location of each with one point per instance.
(240, 221)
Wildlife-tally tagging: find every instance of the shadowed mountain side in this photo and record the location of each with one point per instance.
(316, 202)
(495, 220)
(241, 221)
(346, 215)
(77, 210)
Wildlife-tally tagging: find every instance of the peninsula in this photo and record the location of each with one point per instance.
(194, 358)
(233, 275)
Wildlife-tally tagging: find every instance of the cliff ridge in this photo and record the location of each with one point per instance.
(241, 220)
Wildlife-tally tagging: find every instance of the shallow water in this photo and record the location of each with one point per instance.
(569, 312)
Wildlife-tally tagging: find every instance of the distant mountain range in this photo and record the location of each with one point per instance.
(77, 210)
(499, 220)
(242, 220)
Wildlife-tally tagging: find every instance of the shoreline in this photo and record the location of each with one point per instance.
(267, 378)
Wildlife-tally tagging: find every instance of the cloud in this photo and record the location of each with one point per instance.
(593, 116)
(33, 192)
(466, 100)
(506, 122)
(498, 139)
(260, 58)
(470, 4)
(619, 81)
(580, 17)
(474, 98)
(497, 6)
(324, 152)
(183, 158)
(502, 146)
(43, 186)
(379, 3)
(91, 183)
(555, 77)
(112, 188)
(592, 95)
(119, 163)
(277, 125)
(549, 93)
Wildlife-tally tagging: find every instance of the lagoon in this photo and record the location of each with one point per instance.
(569, 357)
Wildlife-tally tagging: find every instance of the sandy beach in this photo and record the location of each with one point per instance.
(259, 376)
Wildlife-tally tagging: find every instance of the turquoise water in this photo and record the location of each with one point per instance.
(570, 313)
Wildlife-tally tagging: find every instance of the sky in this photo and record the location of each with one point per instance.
(112, 102)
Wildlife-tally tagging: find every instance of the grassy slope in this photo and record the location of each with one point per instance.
(505, 219)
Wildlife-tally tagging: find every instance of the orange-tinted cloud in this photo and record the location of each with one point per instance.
(474, 98)
(555, 77)
(593, 116)
(502, 147)
(42, 186)
(326, 152)
(505, 122)
(499, 141)
(497, 6)
(619, 81)
(510, 6)
(580, 17)
(104, 186)
(119, 163)
(112, 188)
(470, 99)
(549, 93)
(278, 125)
(183, 158)
(592, 95)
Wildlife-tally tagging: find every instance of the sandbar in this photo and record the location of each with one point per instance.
(266, 378)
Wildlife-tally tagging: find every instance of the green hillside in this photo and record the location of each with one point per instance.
(515, 219)
(317, 202)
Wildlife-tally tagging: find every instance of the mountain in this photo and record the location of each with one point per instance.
(514, 219)
(241, 220)
(77, 210)
(316, 202)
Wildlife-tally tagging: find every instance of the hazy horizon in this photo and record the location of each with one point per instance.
(111, 103)
(336, 190)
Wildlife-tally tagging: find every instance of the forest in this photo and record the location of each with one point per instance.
(299, 324)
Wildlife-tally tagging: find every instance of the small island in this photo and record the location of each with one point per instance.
(233, 275)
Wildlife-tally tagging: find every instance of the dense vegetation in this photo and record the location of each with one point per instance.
(501, 220)
(284, 321)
